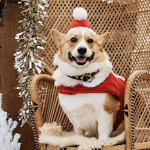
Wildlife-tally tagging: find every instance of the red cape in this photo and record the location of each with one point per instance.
(112, 85)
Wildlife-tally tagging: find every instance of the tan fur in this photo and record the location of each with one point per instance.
(102, 38)
(112, 106)
(65, 45)
(58, 37)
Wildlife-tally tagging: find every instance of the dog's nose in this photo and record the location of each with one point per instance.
(82, 50)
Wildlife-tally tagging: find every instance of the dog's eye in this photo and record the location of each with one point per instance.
(90, 40)
(73, 39)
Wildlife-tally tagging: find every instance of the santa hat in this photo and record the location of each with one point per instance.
(80, 19)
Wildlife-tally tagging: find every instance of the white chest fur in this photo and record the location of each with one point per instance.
(85, 111)
(72, 102)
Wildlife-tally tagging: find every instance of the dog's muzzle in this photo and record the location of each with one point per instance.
(80, 60)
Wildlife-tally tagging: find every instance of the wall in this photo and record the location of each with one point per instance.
(8, 75)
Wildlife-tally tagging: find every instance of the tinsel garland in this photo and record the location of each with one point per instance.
(28, 56)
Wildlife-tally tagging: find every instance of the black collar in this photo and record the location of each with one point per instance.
(87, 77)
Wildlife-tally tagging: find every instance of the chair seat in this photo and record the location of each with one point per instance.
(117, 147)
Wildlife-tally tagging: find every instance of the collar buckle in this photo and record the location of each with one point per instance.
(86, 78)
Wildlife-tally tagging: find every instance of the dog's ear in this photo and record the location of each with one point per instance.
(103, 38)
(58, 37)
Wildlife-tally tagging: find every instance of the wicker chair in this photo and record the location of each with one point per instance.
(129, 52)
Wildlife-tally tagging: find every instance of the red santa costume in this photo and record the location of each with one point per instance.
(111, 85)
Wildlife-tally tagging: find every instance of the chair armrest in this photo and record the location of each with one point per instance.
(34, 92)
(48, 69)
(45, 105)
(137, 82)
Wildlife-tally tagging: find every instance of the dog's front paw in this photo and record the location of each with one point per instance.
(103, 137)
(115, 140)
(89, 144)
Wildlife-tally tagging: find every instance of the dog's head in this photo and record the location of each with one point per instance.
(80, 46)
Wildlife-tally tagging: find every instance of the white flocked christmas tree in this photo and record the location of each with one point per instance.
(8, 140)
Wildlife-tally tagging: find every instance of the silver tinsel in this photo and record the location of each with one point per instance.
(28, 55)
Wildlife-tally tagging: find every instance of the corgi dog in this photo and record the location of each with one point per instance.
(89, 90)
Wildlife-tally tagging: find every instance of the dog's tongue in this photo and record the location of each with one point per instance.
(81, 59)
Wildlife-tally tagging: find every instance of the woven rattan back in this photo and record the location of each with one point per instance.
(128, 46)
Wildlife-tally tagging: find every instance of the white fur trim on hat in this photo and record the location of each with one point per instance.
(79, 14)
(81, 28)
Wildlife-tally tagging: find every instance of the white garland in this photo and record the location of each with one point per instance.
(7, 140)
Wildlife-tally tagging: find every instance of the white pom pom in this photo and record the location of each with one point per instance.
(79, 14)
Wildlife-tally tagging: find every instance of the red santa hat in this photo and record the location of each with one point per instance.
(80, 18)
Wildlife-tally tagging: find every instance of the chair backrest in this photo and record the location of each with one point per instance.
(128, 49)
(129, 25)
